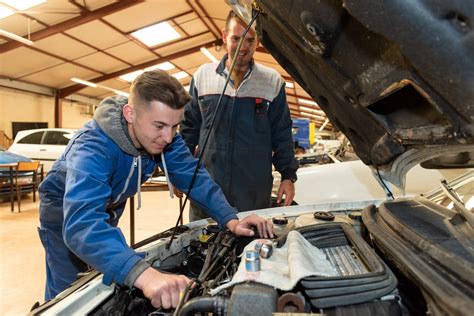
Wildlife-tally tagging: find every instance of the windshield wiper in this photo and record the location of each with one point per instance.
(459, 205)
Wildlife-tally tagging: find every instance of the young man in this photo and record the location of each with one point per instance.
(83, 196)
(252, 129)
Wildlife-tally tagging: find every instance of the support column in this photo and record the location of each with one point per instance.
(58, 110)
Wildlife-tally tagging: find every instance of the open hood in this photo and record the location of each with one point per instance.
(396, 77)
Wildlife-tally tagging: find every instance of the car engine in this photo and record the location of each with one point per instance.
(362, 283)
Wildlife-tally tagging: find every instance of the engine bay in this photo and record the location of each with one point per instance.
(361, 282)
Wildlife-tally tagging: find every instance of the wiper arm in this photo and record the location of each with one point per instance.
(458, 203)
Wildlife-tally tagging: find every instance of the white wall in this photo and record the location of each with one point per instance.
(20, 106)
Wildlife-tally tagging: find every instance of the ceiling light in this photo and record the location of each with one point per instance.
(94, 85)
(209, 55)
(23, 4)
(163, 66)
(324, 125)
(16, 37)
(131, 76)
(306, 101)
(84, 82)
(120, 92)
(4, 12)
(304, 108)
(289, 85)
(313, 116)
(156, 34)
(180, 75)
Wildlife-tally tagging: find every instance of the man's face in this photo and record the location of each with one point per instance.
(231, 38)
(152, 126)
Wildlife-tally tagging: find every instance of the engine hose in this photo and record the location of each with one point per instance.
(216, 305)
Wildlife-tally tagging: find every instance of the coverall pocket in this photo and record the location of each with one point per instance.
(262, 125)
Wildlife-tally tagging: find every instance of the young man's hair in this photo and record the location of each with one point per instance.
(232, 15)
(229, 18)
(158, 85)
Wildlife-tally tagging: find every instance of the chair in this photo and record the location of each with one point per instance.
(26, 179)
(6, 184)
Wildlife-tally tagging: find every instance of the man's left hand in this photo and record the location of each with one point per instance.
(242, 227)
(287, 188)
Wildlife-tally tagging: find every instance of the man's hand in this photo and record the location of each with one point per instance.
(162, 289)
(242, 227)
(288, 189)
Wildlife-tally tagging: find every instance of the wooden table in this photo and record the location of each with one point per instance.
(146, 187)
(11, 171)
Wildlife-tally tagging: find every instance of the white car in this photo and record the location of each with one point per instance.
(45, 144)
(322, 183)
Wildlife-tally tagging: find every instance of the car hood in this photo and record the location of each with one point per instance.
(396, 77)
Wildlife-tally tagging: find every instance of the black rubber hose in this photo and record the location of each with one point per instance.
(216, 305)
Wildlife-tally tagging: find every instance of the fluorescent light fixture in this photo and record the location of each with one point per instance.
(4, 12)
(313, 116)
(209, 55)
(304, 108)
(289, 85)
(307, 114)
(16, 37)
(94, 85)
(306, 101)
(84, 82)
(131, 76)
(120, 92)
(180, 75)
(324, 125)
(23, 4)
(156, 34)
(163, 66)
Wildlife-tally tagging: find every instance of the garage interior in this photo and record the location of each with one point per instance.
(74, 53)
(60, 58)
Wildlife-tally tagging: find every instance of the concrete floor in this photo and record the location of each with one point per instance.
(22, 267)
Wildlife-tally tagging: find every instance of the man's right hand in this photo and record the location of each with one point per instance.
(162, 289)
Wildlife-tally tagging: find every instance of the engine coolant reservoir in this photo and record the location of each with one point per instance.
(282, 225)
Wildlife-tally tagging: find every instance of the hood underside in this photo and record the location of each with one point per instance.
(393, 76)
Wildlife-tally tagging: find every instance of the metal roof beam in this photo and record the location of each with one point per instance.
(74, 88)
(63, 26)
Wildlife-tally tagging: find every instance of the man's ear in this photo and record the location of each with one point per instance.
(128, 113)
(224, 36)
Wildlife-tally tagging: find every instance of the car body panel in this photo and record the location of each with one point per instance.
(354, 181)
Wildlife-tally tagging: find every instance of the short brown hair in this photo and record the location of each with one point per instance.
(229, 18)
(158, 85)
